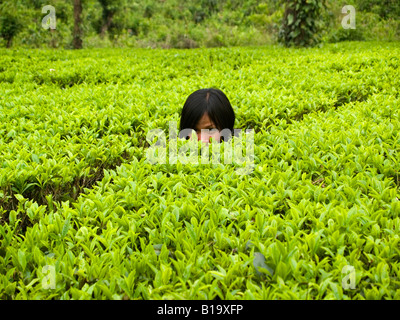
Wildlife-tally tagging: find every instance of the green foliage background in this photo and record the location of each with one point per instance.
(189, 24)
(78, 195)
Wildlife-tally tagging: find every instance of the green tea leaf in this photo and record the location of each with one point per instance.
(22, 259)
(65, 228)
(260, 265)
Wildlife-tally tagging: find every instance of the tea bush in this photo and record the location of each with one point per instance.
(79, 197)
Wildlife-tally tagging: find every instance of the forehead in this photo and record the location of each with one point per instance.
(205, 122)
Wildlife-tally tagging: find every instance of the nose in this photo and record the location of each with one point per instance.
(204, 137)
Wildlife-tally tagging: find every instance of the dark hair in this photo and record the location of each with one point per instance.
(211, 101)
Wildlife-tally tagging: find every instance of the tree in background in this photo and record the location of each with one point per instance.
(77, 31)
(9, 27)
(110, 9)
(10, 23)
(301, 22)
(386, 9)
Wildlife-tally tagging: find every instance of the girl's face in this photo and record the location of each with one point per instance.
(209, 129)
